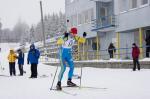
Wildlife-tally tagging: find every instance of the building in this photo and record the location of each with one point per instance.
(133, 23)
(97, 19)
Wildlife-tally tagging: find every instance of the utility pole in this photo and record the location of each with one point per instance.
(43, 28)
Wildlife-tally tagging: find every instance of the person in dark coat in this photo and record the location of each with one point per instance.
(135, 56)
(33, 57)
(147, 46)
(20, 61)
(111, 50)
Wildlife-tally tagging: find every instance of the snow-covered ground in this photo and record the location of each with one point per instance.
(96, 83)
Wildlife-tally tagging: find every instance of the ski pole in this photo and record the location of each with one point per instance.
(56, 72)
(81, 77)
(54, 78)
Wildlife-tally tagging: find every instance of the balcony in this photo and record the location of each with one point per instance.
(103, 22)
(101, 0)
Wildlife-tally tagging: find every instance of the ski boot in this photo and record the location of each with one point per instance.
(70, 83)
(58, 87)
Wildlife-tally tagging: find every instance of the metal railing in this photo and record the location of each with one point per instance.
(94, 54)
(103, 22)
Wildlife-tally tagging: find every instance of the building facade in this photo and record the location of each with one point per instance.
(121, 22)
(133, 23)
(94, 17)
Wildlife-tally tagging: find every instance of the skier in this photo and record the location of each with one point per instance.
(135, 55)
(12, 58)
(66, 43)
(111, 50)
(33, 56)
(20, 61)
(147, 46)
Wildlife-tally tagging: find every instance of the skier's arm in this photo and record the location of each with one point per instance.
(60, 41)
(81, 39)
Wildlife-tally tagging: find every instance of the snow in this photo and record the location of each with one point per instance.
(146, 59)
(97, 83)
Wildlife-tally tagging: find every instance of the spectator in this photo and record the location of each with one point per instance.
(12, 58)
(33, 56)
(135, 56)
(111, 50)
(20, 61)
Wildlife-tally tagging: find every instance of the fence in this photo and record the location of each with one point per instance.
(81, 55)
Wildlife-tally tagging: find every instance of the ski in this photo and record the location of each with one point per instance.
(87, 87)
(76, 77)
(84, 87)
(70, 86)
(43, 76)
(66, 92)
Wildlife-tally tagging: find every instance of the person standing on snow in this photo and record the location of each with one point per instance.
(33, 57)
(135, 55)
(12, 59)
(111, 50)
(66, 43)
(20, 61)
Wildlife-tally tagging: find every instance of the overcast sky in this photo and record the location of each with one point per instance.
(27, 10)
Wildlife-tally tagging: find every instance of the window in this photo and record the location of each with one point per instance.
(144, 2)
(86, 18)
(90, 15)
(123, 5)
(133, 4)
(103, 11)
(73, 20)
(71, 1)
(79, 19)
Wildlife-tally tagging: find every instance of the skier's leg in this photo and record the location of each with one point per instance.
(70, 74)
(71, 66)
(63, 68)
(61, 73)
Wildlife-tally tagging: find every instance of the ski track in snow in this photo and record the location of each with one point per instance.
(96, 83)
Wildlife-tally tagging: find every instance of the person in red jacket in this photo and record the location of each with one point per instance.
(135, 56)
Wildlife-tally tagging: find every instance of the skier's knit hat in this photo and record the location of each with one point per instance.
(74, 30)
